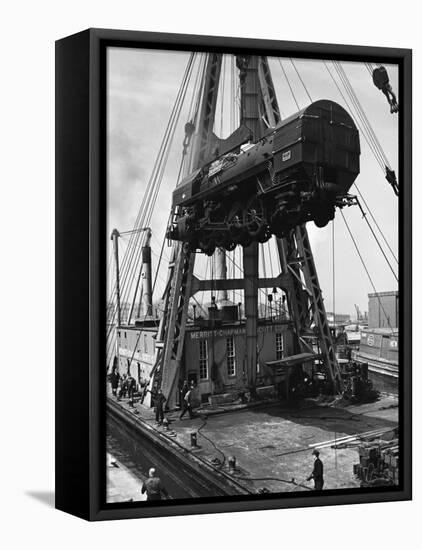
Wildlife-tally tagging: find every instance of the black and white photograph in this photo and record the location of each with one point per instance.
(210, 274)
(252, 272)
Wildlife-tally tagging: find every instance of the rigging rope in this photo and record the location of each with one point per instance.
(383, 162)
(377, 149)
(134, 241)
(264, 270)
(300, 78)
(288, 83)
(360, 117)
(361, 113)
(376, 223)
(334, 273)
(370, 68)
(132, 255)
(232, 95)
(152, 203)
(366, 269)
(375, 152)
(270, 257)
(153, 289)
(148, 202)
(357, 122)
(377, 241)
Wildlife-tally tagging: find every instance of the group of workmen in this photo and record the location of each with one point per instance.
(127, 384)
(153, 486)
(128, 387)
(186, 394)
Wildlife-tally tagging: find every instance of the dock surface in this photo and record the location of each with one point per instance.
(273, 444)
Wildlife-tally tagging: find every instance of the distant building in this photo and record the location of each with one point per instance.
(137, 349)
(125, 308)
(379, 344)
(338, 318)
(383, 309)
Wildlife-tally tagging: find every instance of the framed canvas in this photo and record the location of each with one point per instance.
(233, 276)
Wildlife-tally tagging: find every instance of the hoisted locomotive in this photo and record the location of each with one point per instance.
(299, 171)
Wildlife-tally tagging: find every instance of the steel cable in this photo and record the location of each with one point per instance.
(366, 270)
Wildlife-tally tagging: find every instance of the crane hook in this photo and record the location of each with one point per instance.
(382, 82)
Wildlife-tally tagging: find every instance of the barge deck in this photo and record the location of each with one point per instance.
(272, 445)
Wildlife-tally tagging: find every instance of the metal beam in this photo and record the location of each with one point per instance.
(250, 95)
(318, 308)
(205, 127)
(174, 332)
(201, 285)
(250, 272)
(269, 98)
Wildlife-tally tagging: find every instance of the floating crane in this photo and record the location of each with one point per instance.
(280, 167)
(266, 180)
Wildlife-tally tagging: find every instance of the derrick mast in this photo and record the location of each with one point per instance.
(239, 213)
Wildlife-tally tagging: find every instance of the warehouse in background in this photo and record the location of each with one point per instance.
(379, 344)
(383, 309)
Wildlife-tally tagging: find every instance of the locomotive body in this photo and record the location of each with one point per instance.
(298, 172)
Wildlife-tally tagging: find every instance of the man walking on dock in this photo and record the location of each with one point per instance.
(159, 406)
(131, 387)
(187, 404)
(153, 487)
(318, 472)
(183, 391)
(123, 387)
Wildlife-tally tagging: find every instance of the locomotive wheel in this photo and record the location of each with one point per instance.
(230, 245)
(264, 235)
(321, 218)
(207, 245)
(321, 221)
(209, 251)
(254, 218)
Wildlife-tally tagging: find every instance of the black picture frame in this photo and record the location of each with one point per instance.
(80, 279)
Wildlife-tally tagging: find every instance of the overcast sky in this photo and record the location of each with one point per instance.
(142, 87)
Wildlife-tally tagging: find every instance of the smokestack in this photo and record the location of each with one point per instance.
(221, 271)
(147, 280)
